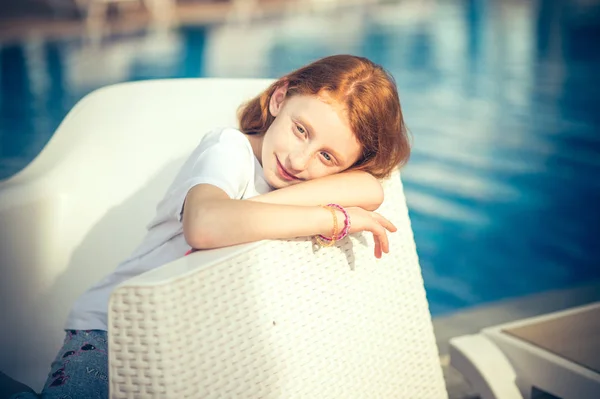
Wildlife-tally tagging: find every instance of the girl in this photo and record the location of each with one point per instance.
(322, 134)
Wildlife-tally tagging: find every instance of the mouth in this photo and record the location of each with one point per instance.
(283, 173)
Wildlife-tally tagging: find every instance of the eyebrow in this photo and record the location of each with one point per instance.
(335, 154)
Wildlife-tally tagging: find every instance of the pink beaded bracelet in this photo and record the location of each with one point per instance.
(346, 228)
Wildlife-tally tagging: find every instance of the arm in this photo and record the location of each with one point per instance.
(354, 188)
(211, 220)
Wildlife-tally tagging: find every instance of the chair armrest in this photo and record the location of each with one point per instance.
(275, 319)
(280, 319)
(188, 265)
(484, 366)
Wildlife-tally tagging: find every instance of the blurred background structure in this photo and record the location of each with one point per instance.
(502, 99)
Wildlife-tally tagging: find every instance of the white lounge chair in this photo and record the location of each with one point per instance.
(551, 356)
(273, 319)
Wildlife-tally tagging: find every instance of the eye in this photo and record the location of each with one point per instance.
(300, 130)
(326, 156)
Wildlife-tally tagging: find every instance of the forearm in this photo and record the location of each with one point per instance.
(355, 188)
(221, 223)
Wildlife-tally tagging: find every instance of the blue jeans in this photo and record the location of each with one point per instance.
(80, 369)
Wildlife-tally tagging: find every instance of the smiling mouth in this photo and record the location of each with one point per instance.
(285, 175)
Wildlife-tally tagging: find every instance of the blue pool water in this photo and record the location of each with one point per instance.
(502, 99)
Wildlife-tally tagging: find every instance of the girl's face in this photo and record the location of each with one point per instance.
(309, 138)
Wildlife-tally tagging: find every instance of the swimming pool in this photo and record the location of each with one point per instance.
(501, 99)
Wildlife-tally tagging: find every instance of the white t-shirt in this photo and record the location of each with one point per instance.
(224, 158)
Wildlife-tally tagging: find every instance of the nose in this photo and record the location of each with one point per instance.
(299, 160)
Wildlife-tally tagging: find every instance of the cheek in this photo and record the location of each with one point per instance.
(317, 169)
(269, 143)
(283, 141)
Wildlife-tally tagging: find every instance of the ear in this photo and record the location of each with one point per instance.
(277, 99)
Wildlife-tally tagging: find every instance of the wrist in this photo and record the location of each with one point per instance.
(339, 223)
(326, 221)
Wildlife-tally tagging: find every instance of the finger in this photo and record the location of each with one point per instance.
(377, 248)
(380, 238)
(384, 222)
(385, 244)
(383, 240)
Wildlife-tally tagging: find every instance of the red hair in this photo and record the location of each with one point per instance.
(366, 92)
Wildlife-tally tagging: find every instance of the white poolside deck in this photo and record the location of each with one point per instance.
(473, 320)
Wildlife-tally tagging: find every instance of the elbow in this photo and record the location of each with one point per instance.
(375, 194)
(199, 239)
(194, 238)
(369, 191)
(202, 217)
(197, 235)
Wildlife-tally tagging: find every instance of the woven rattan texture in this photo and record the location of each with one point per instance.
(283, 320)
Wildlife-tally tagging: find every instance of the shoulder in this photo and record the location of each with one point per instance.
(221, 145)
(222, 150)
(226, 136)
(222, 159)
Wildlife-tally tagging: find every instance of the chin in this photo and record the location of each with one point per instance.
(274, 181)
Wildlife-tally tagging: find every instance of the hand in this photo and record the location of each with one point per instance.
(362, 220)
